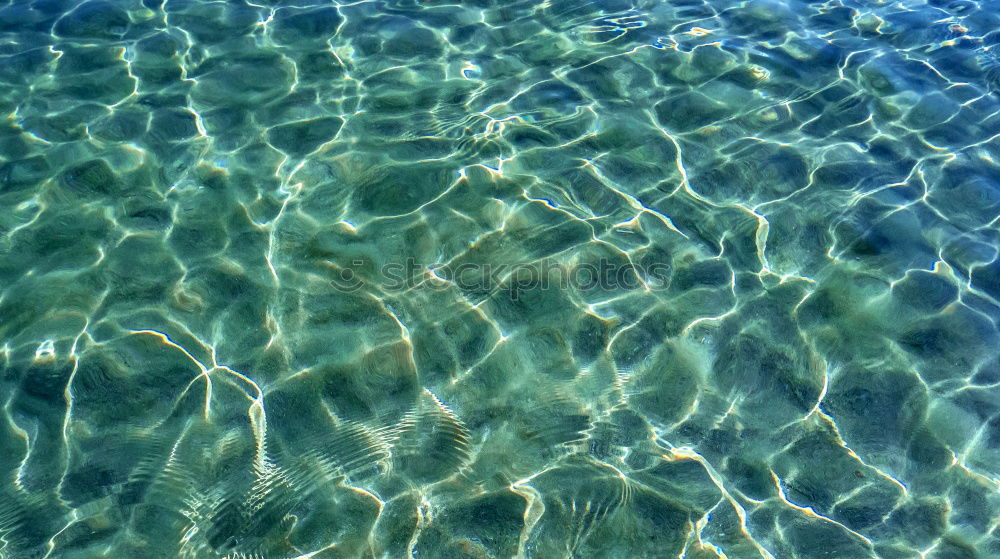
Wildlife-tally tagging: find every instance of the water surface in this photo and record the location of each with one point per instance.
(540, 279)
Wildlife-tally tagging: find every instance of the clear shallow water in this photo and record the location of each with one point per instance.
(531, 279)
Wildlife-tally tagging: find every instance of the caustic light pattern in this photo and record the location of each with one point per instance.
(812, 371)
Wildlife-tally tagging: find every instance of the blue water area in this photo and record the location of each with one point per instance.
(537, 279)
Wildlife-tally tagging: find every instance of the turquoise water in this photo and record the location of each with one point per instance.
(536, 279)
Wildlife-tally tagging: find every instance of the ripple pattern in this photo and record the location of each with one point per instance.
(186, 186)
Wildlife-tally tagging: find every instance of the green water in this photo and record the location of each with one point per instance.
(538, 279)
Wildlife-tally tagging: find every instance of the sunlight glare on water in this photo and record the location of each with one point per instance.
(612, 279)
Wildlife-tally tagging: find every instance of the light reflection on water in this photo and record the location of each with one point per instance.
(296, 279)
